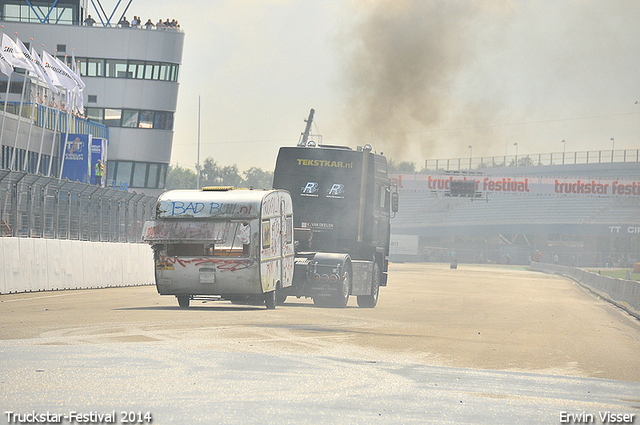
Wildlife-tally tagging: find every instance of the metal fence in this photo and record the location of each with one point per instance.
(35, 206)
(529, 160)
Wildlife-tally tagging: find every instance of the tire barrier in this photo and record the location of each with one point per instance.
(620, 292)
(34, 264)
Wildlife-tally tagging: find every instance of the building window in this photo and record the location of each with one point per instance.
(132, 118)
(148, 71)
(137, 174)
(163, 176)
(152, 177)
(23, 13)
(123, 172)
(129, 118)
(95, 114)
(95, 68)
(136, 69)
(92, 98)
(116, 68)
(112, 117)
(61, 47)
(146, 119)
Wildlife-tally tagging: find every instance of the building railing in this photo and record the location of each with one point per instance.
(34, 20)
(35, 206)
(532, 160)
(46, 117)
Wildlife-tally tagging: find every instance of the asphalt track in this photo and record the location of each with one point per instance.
(472, 345)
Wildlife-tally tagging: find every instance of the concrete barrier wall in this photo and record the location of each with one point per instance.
(623, 293)
(33, 264)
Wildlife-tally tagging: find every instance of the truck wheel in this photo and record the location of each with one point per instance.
(370, 301)
(270, 300)
(342, 297)
(183, 300)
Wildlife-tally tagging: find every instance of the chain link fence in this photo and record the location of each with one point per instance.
(35, 206)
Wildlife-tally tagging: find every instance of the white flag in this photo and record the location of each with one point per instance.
(76, 71)
(14, 55)
(43, 73)
(78, 82)
(37, 69)
(79, 105)
(52, 66)
(5, 65)
(33, 71)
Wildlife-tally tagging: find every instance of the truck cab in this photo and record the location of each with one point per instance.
(342, 208)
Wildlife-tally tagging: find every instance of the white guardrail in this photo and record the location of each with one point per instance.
(35, 264)
(620, 292)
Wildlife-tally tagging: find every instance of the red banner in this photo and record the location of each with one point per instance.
(521, 185)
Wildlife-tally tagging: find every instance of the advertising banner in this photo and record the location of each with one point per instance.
(75, 157)
(441, 183)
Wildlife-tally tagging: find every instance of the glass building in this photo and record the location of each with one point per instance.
(131, 76)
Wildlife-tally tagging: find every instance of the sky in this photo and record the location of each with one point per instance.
(416, 79)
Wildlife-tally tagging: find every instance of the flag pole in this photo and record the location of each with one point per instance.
(45, 115)
(33, 107)
(6, 100)
(66, 139)
(53, 143)
(15, 140)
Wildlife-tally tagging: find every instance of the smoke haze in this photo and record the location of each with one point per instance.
(429, 78)
(419, 79)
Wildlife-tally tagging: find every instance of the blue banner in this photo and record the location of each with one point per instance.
(75, 157)
(98, 152)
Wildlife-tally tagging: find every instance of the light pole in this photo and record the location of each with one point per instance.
(564, 149)
(470, 155)
(613, 148)
(198, 157)
(516, 145)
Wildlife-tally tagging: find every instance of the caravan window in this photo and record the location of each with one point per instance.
(194, 238)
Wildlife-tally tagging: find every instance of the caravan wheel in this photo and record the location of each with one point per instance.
(270, 300)
(183, 300)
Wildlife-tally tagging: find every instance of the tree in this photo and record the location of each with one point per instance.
(214, 175)
(180, 178)
(211, 174)
(403, 167)
(231, 176)
(257, 178)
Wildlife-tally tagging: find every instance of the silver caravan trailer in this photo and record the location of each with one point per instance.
(232, 244)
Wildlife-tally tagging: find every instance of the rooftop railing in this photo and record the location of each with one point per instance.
(532, 160)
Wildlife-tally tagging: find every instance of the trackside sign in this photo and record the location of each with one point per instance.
(521, 185)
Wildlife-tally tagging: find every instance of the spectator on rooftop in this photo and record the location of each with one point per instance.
(89, 21)
(124, 23)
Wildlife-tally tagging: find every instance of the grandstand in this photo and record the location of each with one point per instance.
(519, 210)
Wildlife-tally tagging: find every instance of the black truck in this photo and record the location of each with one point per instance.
(342, 202)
